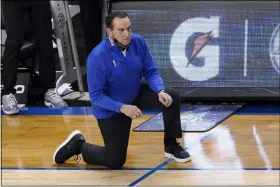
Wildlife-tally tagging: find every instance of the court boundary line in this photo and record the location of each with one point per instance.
(159, 168)
(143, 177)
(46, 111)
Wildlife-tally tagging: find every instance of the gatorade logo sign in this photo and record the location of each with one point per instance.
(181, 63)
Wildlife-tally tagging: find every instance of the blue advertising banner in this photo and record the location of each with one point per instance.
(212, 48)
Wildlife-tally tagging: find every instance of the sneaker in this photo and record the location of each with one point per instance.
(176, 152)
(70, 147)
(10, 105)
(53, 99)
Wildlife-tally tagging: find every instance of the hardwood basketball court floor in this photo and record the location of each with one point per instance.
(243, 149)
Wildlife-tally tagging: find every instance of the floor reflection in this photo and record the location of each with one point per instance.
(218, 151)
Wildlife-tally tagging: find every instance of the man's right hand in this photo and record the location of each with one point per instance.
(131, 111)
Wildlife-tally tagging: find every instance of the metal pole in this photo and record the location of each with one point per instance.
(74, 48)
(63, 43)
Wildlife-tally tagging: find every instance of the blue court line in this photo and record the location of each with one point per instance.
(28, 111)
(159, 167)
(150, 172)
(69, 168)
(259, 110)
(48, 111)
(221, 169)
(145, 169)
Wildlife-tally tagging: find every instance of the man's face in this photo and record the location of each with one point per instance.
(121, 30)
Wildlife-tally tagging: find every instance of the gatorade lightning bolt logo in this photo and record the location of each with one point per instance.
(198, 44)
(274, 49)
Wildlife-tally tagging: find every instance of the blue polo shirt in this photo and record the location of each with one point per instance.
(114, 79)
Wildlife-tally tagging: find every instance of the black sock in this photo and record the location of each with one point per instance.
(169, 141)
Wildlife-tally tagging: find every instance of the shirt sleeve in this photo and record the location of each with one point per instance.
(150, 72)
(96, 79)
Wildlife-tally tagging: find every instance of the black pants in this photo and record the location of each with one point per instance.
(115, 130)
(40, 14)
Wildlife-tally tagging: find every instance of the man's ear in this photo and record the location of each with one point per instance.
(109, 32)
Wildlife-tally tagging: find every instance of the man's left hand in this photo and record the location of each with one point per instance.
(165, 98)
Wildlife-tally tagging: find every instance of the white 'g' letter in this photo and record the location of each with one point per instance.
(209, 53)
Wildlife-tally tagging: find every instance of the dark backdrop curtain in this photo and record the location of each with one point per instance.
(91, 15)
